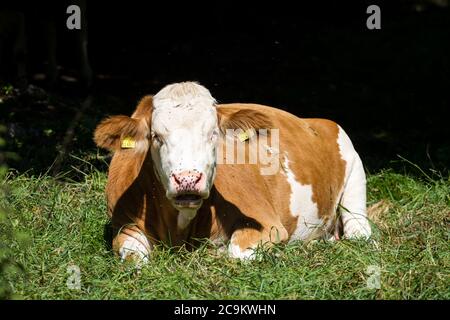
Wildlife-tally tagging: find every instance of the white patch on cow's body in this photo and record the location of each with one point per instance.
(136, 248)
(185, 217)
(235, 251)
(302, 206)
(346, 151)
(353, 201)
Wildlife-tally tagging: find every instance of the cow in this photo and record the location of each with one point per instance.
(170, 181)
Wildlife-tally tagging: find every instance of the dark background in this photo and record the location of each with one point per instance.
(387, 88)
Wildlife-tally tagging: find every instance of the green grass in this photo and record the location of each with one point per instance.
(65, 223)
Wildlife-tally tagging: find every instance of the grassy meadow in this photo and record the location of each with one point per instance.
(53, 225)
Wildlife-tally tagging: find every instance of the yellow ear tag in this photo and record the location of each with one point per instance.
(244, 136)
(128, 143)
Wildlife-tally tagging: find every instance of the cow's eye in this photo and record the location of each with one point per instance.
(157, 139)
(214, 135)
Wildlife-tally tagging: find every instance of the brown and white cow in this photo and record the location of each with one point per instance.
(169, 180)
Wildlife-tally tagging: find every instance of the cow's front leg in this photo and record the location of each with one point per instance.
(132, 244)
(244, 242)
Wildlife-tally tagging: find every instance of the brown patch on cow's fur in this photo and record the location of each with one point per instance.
(244, 199)
(243, 119)
(110, 132)
(328, 178)
(144, 110)
(316, 161)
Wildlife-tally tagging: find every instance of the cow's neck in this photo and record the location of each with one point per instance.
(184, 219)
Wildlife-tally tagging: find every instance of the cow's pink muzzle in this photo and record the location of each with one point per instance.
(189, 187)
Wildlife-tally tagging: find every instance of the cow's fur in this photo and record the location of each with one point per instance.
(320, 180)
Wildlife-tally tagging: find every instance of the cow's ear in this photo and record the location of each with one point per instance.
(118, 132)
(144, 110)
(242, 119)
(111, 131)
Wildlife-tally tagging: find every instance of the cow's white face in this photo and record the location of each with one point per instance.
(184, 139)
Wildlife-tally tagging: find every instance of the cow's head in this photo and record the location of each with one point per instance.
(184, 133)
(179, 126)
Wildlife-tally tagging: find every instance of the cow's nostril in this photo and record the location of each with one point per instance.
(197, 178)
(177, 180)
